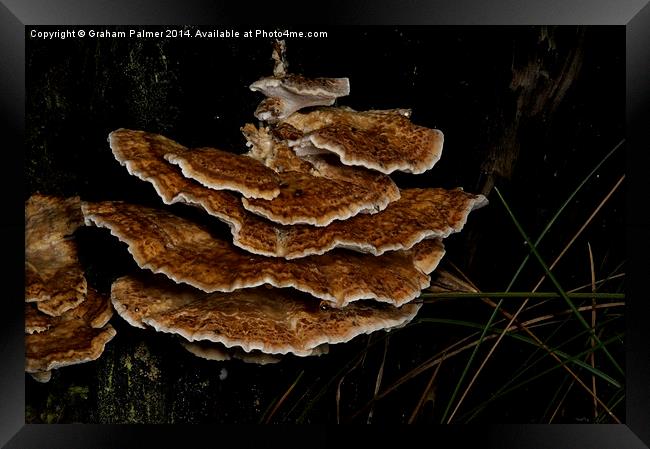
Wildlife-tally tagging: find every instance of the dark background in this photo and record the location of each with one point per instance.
(529, 109)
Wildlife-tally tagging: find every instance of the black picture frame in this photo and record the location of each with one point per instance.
(633, 14)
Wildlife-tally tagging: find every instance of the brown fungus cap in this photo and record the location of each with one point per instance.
(77, 336)
(68, 343)
(386, 141)
(273, 321)
(187, 252)
(418, 214)
(133, 302)
(143, 156)
(291, 93)
(96, 311)
(220, 170)
(211, 167)
(54, 278)
(315, 192)
(138, 297)
(287, 93)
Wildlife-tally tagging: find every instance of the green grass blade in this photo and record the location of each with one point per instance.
(556, 283)
(571, 359)
(528, 340)
(614, 401)
(469, 362)
(521, 266)
(560, 210)
(529, 363)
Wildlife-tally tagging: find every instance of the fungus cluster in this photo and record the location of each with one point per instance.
(65, 320)
(323, 245)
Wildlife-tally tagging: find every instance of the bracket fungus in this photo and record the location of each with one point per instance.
(68, 343)
(309, 193)
(54, 278)
(188, 252)
(65, 320)
(77, 336)
(139, 151)
(436, 213)
(95, 310)
(287, 93)
(138, 297)
(313, 191)
(218, 170)
(419, 214)
(325, 245)
(385, 141)
(270, 320)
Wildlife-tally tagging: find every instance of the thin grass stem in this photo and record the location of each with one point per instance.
(284, 397)
(510, 285)
(553, 279)
(593, 324)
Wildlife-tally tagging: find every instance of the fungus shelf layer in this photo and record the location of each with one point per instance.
(188, 253)
(65, 320)
(269, 320)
